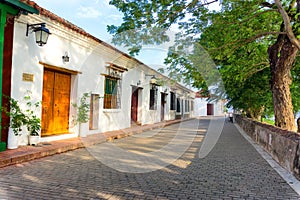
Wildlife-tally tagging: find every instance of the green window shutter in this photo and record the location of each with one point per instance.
(106, 86)
(114, 87)
(111, 86)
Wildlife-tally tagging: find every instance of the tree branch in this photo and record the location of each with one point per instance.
(267, 4)
(287, 25)
(194, 3)
(255, 15)
(247, 40)
(258, 70)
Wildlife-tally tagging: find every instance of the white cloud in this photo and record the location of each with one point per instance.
(88, 12)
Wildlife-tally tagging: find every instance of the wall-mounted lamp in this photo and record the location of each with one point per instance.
(41, 33)
(153, 79)
(66, 58)
(153, 86)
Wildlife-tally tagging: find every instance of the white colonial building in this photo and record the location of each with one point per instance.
(122, 89)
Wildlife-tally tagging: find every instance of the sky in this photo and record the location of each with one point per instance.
(91, 15)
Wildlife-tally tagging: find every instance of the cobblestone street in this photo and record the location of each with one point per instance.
(232, 170)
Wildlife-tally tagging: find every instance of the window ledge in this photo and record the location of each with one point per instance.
(111, 110)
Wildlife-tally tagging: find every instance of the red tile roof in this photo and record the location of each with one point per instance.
(201, 94)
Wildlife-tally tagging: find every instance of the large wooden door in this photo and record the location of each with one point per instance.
(134, 104)
(56, 103)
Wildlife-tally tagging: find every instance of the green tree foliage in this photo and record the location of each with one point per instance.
(253, 44)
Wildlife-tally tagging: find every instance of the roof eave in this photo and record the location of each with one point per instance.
(22, 6)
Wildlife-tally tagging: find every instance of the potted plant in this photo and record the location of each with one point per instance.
(32, 122)
(33, 127)
(17, 120)
(82, 113)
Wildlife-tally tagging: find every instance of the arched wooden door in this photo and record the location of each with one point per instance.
(55, 103)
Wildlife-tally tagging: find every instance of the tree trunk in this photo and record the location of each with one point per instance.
(282, 56)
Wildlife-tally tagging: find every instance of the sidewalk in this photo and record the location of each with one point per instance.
(27, 153)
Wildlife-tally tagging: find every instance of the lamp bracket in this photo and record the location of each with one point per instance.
(34, 26)
(152, 76)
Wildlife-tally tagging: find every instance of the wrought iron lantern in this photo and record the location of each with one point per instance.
(41, 33)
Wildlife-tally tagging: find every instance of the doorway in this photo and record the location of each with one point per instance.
(210, 109)
(134, 104)
(55, 103)
(162, 107)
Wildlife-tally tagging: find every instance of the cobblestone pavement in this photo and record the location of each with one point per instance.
(232, 170)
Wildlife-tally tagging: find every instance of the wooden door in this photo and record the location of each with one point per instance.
(56, 103)
(210, 109)
(162, 107)
(134, 104)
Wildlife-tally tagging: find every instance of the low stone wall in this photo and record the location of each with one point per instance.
(283, 145)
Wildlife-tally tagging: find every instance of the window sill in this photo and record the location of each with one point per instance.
(111, 110)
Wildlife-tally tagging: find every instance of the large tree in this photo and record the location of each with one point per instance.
(239, 23)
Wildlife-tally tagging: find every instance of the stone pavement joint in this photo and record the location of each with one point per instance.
(27, 153)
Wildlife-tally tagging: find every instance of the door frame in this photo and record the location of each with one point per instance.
(58, 124)
(73, 97)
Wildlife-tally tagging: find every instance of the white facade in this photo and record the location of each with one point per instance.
(87, 67)
(202, 106)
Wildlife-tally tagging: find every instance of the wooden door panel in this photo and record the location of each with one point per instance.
(56, 103)
(61, 102)
(47, 102)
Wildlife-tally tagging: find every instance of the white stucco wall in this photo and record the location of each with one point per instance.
(219, 108)
(89, 58)
(200, 107)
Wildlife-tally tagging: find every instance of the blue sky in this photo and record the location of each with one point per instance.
(91, 15)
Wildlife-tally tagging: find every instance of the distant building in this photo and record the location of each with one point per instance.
(204, 107)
